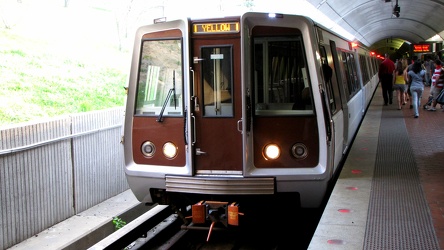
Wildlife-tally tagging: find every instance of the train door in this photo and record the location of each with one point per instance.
(217, 102)
(334, 101)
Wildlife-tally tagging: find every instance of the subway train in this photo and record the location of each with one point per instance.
(237, 109)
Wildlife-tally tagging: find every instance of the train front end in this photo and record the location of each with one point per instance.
(226, 109)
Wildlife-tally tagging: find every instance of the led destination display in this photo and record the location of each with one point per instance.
(203, 28)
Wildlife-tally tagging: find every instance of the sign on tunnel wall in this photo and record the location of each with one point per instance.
(420, 48)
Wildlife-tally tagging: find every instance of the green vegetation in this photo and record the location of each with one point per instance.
(39, 80)
(118, 223)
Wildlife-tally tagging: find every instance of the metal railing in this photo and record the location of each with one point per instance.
(51, 170)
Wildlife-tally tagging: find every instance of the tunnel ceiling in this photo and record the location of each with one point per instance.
(373, 23)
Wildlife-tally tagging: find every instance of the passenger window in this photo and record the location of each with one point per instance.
(350, 71)
(327, 73)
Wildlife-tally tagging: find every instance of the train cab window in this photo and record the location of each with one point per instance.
(281, 77)
(217, 81)
(159, 90)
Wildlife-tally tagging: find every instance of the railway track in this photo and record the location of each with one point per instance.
(151, 227)
(161, 228)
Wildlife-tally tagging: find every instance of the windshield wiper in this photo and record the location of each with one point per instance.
(171, 91)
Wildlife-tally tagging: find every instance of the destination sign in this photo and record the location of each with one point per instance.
(204, 28)
(418, 48)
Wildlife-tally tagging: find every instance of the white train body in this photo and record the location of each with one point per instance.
(252, 106)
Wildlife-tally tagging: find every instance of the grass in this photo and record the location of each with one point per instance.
(43, 78)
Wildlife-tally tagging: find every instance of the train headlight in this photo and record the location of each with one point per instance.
(299, 151)
(148, 149)
(169, 150)
(271, 152)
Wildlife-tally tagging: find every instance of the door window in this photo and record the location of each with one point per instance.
(217, 81)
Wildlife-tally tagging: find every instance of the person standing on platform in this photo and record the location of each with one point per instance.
(432, 69)
(437, 84)
(428, 65)
(405, 64)
(400, 84)
(386, 76)
(416, 79)
(409, 67)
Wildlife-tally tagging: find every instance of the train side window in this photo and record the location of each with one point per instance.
(350, 72)
(160, 78)
(327, 73)
(280, 77)
(364, 69)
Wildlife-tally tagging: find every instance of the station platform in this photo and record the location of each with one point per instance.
(390, 193)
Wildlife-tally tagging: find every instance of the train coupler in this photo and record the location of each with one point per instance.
(215, 212)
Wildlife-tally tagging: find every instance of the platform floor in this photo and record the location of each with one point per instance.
(390, 193)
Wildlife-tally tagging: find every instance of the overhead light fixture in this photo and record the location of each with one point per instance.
(396, 9)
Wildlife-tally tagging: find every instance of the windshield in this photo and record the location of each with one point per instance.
(160, 72)
(281, 77)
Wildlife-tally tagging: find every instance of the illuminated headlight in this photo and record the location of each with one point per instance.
(299, 151)
(148, 149)
(271, 152)
(275, 15)
(169, 150)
